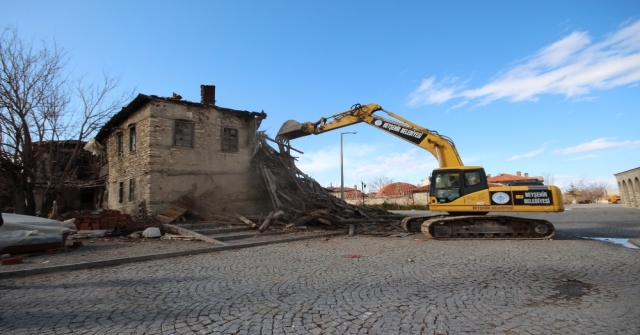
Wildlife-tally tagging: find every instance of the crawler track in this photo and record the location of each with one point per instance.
(456, 227)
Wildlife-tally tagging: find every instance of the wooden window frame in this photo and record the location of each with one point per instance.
(229, 140)
(133, 138)
(132, 189)
(179, 141)
(120, 143)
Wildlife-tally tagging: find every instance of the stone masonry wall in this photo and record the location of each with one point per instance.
(221, 180)
(629, 186)
(132, 165)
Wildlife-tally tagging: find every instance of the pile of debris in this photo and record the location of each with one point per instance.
(111, 220)
(299, 201)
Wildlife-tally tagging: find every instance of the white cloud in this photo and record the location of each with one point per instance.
(572, 66)
(599, 144)
(430, 92)
(531, 153)
(458, 105)
(527, 155)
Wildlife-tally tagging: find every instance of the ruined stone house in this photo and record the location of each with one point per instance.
(160, 151)
(80, 187)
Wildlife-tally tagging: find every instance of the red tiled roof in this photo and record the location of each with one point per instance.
(505, 177)
(424, 188)
(353, 194)
(392, 189)
(349, 193)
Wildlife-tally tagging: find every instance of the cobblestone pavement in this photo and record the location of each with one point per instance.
(107, 248)
(358, 285)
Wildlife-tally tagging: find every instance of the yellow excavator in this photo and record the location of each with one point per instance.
(461, 191)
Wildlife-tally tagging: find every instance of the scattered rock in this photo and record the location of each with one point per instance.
(151, 232)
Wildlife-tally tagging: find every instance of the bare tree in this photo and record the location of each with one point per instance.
(30, 82)
(39, 108)
(548, 178)
(583, 190)
(573, 191)
(594, 191)
(379, 182)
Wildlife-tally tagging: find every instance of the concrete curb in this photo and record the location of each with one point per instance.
(126, 260)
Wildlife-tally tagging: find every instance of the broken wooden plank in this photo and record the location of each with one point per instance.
(272, 186)
(267, 222)
(171, 213)
(324, 221)
(187, 232)
(245, 220)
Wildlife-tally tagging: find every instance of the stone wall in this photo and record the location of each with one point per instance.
(406, 200)
(132, 165)
(629, 186)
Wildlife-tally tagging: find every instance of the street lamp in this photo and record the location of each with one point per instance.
(342, 166)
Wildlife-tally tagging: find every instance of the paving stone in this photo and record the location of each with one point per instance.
(567, 285)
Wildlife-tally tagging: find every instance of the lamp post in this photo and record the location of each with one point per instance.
(342, 166)
(363, 187)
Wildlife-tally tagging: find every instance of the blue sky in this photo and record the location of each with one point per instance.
(544, 87)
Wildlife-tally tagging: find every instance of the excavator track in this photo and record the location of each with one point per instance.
(458, 227)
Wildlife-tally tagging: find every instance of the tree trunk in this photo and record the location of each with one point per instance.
(47, 204)
(24, 200)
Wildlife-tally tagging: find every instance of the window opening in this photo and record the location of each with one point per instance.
(132, 189)
(472, 178)
(120, 144)
(183, 134)
(121, 192)
(230, 139)
(132, 139)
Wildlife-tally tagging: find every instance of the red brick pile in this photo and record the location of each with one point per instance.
(97, 220)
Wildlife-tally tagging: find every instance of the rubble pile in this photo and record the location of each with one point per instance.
(298, 200)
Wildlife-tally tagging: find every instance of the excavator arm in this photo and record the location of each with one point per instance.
(438, 145)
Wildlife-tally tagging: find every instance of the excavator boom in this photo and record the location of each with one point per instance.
(440, 146)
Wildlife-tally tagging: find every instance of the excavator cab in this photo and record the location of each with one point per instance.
(448, 184)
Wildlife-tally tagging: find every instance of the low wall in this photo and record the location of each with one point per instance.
(407, 200)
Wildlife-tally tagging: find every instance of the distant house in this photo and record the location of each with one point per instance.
(421, 194)
(349, 193)
(506, 179)
(160, 150)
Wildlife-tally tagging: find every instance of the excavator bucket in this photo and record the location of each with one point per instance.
(290, 130)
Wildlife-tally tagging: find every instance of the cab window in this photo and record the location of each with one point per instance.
(447, 186)
(471, 178)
